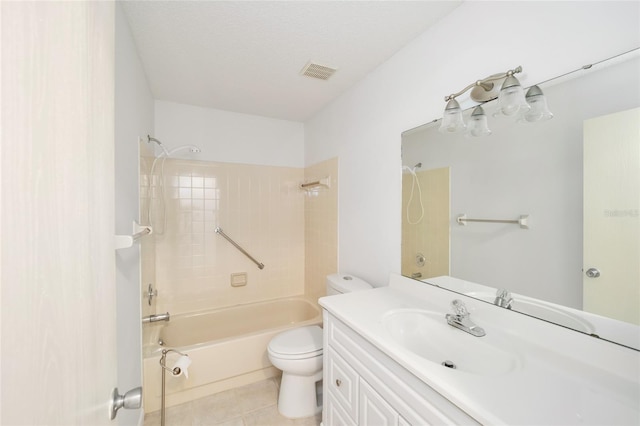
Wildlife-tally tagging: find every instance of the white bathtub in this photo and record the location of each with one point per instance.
(228, 348)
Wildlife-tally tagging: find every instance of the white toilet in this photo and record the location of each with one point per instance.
(298, 353)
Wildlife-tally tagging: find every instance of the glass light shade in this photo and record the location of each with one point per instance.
(478, 123)
(452, 121)
(511, 99)
(538, 103)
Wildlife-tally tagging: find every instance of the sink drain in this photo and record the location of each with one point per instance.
(449, 364)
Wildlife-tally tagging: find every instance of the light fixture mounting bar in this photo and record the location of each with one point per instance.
(485, 83)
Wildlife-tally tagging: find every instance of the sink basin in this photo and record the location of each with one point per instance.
(427, 335)
(547, 311)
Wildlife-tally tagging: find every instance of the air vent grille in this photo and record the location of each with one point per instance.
(318, 71)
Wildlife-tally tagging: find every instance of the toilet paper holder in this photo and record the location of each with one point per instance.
(163, 361)
(175, 371)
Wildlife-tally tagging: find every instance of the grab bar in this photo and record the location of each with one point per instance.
(226, 237)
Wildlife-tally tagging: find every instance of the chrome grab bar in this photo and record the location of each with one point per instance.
(523, 220)
(219, 231)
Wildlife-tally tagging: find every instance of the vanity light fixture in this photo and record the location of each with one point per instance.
(512, 102)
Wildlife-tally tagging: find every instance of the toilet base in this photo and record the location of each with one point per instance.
(297, 397)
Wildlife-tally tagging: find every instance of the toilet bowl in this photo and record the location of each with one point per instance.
(298, 353)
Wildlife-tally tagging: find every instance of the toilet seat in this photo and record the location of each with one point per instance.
(298, 343)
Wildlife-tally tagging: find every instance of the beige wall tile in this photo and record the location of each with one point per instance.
(321, 228)
(430, 235)
(293, 232)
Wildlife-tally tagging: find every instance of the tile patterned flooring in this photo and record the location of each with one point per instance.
(250, 405)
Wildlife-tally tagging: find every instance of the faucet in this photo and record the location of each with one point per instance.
(155, 318)
(503, 298)
(460, 319)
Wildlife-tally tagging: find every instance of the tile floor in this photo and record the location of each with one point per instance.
(251, 405)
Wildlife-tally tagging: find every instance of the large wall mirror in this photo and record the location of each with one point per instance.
(560, 198)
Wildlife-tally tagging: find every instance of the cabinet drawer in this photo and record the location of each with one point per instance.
(342, 383)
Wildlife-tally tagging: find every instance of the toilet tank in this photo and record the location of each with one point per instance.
(342, 283)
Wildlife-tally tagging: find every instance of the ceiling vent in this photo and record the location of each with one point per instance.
(317, 71)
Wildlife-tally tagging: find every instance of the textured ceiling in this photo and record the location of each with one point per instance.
(246, 56)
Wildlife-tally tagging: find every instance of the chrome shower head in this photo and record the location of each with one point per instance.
(150, 139)
(192, 148)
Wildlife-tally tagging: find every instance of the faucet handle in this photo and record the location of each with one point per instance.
(459, 308)
(503, 298)
(503, 293)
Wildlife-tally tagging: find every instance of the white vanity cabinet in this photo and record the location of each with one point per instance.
(363, 386)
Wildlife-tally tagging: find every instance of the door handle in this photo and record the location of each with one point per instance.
(592, 273)
(130, 400)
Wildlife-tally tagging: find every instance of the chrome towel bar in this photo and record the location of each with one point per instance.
(522, 220)
(219, 231)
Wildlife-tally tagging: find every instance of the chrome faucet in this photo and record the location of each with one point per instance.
(503, 298)
(156, 318)
(460, 319)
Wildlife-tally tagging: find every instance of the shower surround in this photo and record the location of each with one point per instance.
(260, 207)
(293, 232)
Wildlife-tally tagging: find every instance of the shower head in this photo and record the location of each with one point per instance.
(192, 148)
(417, 166)
(150, 139)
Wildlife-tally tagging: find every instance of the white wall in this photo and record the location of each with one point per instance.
(133, 118)
(228, 136)
(477, 39)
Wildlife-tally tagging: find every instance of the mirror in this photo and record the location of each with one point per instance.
(567, 192)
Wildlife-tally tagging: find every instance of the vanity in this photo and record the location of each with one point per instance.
(390, 357)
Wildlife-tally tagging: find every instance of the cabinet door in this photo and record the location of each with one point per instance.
(403, 422)
(374, 410)
(334, 414)
(342, 384)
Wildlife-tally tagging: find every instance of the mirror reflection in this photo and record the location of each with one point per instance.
(543, 217)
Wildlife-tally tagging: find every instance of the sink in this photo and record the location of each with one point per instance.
(547, 311)
(427, 335)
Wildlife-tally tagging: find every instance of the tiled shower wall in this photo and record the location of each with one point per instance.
(426, 236)
(321, 228)
(260, 207)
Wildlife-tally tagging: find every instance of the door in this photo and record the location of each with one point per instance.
(57, 213)
(611, 280)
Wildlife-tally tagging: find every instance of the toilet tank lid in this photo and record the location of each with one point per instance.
(345, 283)
(297, 341)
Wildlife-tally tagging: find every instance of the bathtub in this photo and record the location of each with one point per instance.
(228, 348)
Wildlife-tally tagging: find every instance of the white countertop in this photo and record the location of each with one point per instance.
(561, 377)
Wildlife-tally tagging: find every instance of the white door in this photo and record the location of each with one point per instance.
(57, 213)
(611, 266)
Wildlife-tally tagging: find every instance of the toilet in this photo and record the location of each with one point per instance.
(298, 353)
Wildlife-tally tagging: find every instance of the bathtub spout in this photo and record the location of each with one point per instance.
(155, 318)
